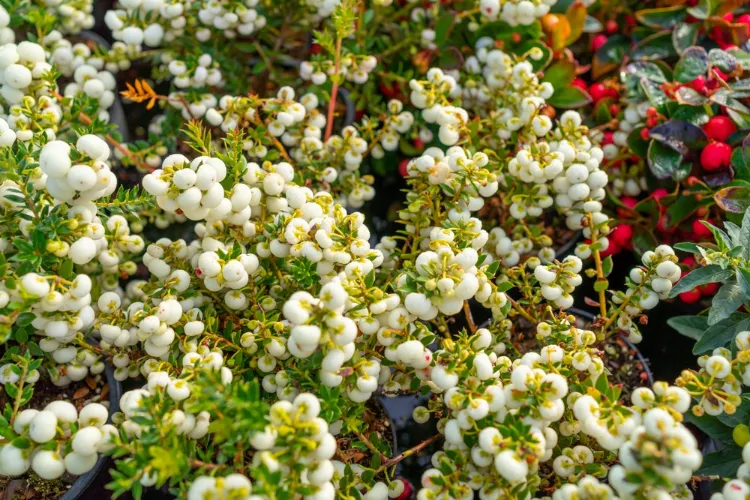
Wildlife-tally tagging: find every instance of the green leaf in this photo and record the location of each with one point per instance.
(444, 24)
(711, 426)
(725, 302)
(685, 35)
(560, 74)
(741, 416)
(692, 64)
(689, 326)
(691, 97)
(66, 269)
(648, 70)
(614, 50)
(722, 333)
(662, 18)
(745, 234)
(657, 46)
(702, 10)
(723, 60)
(663, 161)
(734, 199)
(680, 136)
(569, 98)
(701, 276)
(743, 279)
(722, 463)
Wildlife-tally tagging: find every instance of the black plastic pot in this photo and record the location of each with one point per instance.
(116, 112)
(83, 481)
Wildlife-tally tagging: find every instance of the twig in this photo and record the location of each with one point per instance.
(411, 451)
(334, 91)
(469, 317)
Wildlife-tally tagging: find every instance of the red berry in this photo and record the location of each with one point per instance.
(645, 131)
(598, 42)
(580, 83)
(608, 138)
(662, 226)
(419, 143)
(690, 297)
(621, 235)
(659, 193)
(629, 20)
(597, 91)
(316, 48)
(611, 27)
(743, 19)
(720, 74)
(716, 156)
(402, 167)
(728, 17)
(614, 109)
(689, 261)
(719, 128)
(612, 249)
(699, 84)
(700, 232)
(709, 289)
(629, 201)
(611, 92)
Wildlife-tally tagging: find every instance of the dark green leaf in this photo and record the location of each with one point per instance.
(657, 46)
(685, 35)
(725, 302)
(701, 276)
(663, 161)
(692, 64)
(722, 333)
(569, 98)
(689, 326)
(722, 463)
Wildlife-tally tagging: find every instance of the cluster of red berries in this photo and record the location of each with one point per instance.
(653, 118)
(694, 295)
(718, 154)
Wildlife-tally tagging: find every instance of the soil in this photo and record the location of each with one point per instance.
(379, 430)
(30, 486)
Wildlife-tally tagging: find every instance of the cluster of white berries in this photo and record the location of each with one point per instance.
(195, 426)
(560, 280)
(354, 68)
(646, 286)
(289, 423)
(142, 22)
(319, 323)
(567, 166)
(231, 486)
(193, 74)
(61, 311)
(78, 175)
(515, 12)
(231, 19)
(641, 474)
(22, 67)
(396, 123)
(433, 95)
(624, 182)
(509, 92)
(192, 187)
(87, 433)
